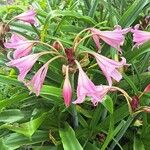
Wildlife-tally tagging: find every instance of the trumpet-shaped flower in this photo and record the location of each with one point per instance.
(139, 36)
(109, 67)
(21, 45)
(87, 88)
(113, 38)
(28, 16)
(37, 81)
(67, 90)
(24, 64)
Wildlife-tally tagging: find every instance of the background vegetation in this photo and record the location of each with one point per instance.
(43, 123)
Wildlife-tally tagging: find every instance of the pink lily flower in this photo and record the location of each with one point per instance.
(87, 88)
(113, 38)
(36, 83)
(109, 67)
(28, 16)
(139, 36)
(67, 90)
(24, 64)
(21, 45)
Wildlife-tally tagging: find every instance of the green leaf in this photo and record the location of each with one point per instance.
(90, 146)
(122, 132)
(119, 115)
(130, 82)
(112, 133)
(138, 144)
(83, 111)
(15, 140)
(66, 14)
(44, 148)
(145, 79)
(22, 27)
(108, 103)
(73, 14)
(93, 8)
(69, 139)
(87, 3)
(11, 115)
(132, 55)
(10, 81)
(27, 128)
(96, 117)
(132, 13)
(46, 90)
(19, 97)
(82, 121)
(50, 90)
(3, 146)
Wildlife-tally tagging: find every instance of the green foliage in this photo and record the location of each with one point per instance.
(69, 139)
(27, 121)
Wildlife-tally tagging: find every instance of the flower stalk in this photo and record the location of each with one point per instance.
(73, 106)
(78, 35)
(81, 40)
(125, 94)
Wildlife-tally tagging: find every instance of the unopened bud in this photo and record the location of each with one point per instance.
(56, 45)
(147, 89)
(67, 90)
(134, 103)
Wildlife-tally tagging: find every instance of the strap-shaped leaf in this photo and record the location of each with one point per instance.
(69, 139)
(133, 12)
(27, 128)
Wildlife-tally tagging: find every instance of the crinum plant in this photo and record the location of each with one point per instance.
(80, 78)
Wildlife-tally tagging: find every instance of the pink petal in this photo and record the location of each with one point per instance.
(86, 87)
(23, 50)
(140, 37)
(96, 40)
(113, 38)
(21, 45)
(37, 81)
(28, 16)
(24, 64)
(79, 100)
(109, 67)
(16, 38)
(67, 90)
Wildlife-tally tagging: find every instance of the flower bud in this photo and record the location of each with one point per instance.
(56, 45)
(67, 90)
(134, 103)
(147, 89)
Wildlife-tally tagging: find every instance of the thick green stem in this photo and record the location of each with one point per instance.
(73, 107)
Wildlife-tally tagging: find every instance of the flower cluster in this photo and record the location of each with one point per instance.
(24, 59)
